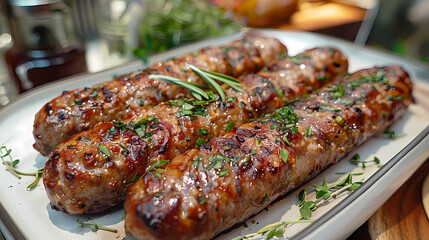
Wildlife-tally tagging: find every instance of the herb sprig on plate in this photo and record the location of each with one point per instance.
(10, 163)
(324, 193)
(356, 160)
(95, 227)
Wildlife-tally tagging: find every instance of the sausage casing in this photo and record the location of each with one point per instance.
(205, 191)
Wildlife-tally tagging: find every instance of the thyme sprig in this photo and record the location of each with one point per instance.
(391, 134)
(273, 230)
(356, 160)
(11, 164)
(324, 193)
(95, 227)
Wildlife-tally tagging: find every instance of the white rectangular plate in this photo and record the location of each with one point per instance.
(27, 213)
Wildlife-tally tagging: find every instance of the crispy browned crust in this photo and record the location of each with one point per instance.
(207, 190)
(80, 109)
(80, 178)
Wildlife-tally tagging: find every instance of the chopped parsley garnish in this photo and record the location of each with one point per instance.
(340, 120)
(203, 131)
(340, 91)
(104, 150)
(157, 164)
(392, 98)
(329, 108)
(201, 199)
(231, 99)
(322, 78)
(229, 126)
(158, 175)
(284, 155)
(223, 172)
(200, 142)
(308, 132)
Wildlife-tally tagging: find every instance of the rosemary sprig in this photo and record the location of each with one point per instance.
(95, 227)
(208, 80)
(230, 81)
(11, 164)
(196, 91)
(324, 193)
(208, 77)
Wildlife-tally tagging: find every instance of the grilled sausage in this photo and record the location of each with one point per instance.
(207, 190)
(89, 172)
(81, 109)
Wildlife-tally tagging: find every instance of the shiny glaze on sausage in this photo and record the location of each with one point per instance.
(80, 177)
(207, 190)
(80, 109)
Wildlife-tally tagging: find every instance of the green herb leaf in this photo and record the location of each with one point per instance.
(329, 108)
(231, 99)
(223, 172)
(392, 98)
(209, 80)
(308, 132)
(104, 150)
(200, 142)
(123, 147)
(201, 200)
(305, 211)
(376, 160)
(180, 83)
(203, 131)
(391, 133)
(284, 155)
(229, 126)
(257, 142)
(340, 91)
(302, 195)
(158, 175)
(157, 164)
(355, 185)
(226, 148)
(271, 233)
(355, 159)
(340, 120)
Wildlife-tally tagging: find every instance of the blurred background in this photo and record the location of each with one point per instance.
(45, 40)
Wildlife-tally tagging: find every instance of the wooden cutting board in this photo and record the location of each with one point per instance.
(403, 215)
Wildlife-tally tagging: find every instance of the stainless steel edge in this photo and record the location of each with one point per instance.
(8, 229)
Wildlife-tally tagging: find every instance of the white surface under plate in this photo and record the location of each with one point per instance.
(27, 214)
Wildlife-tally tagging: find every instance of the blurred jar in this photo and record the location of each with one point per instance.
(45, 48)
(117, 23)
(8, 90)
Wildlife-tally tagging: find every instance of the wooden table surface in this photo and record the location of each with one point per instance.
(402, 216)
